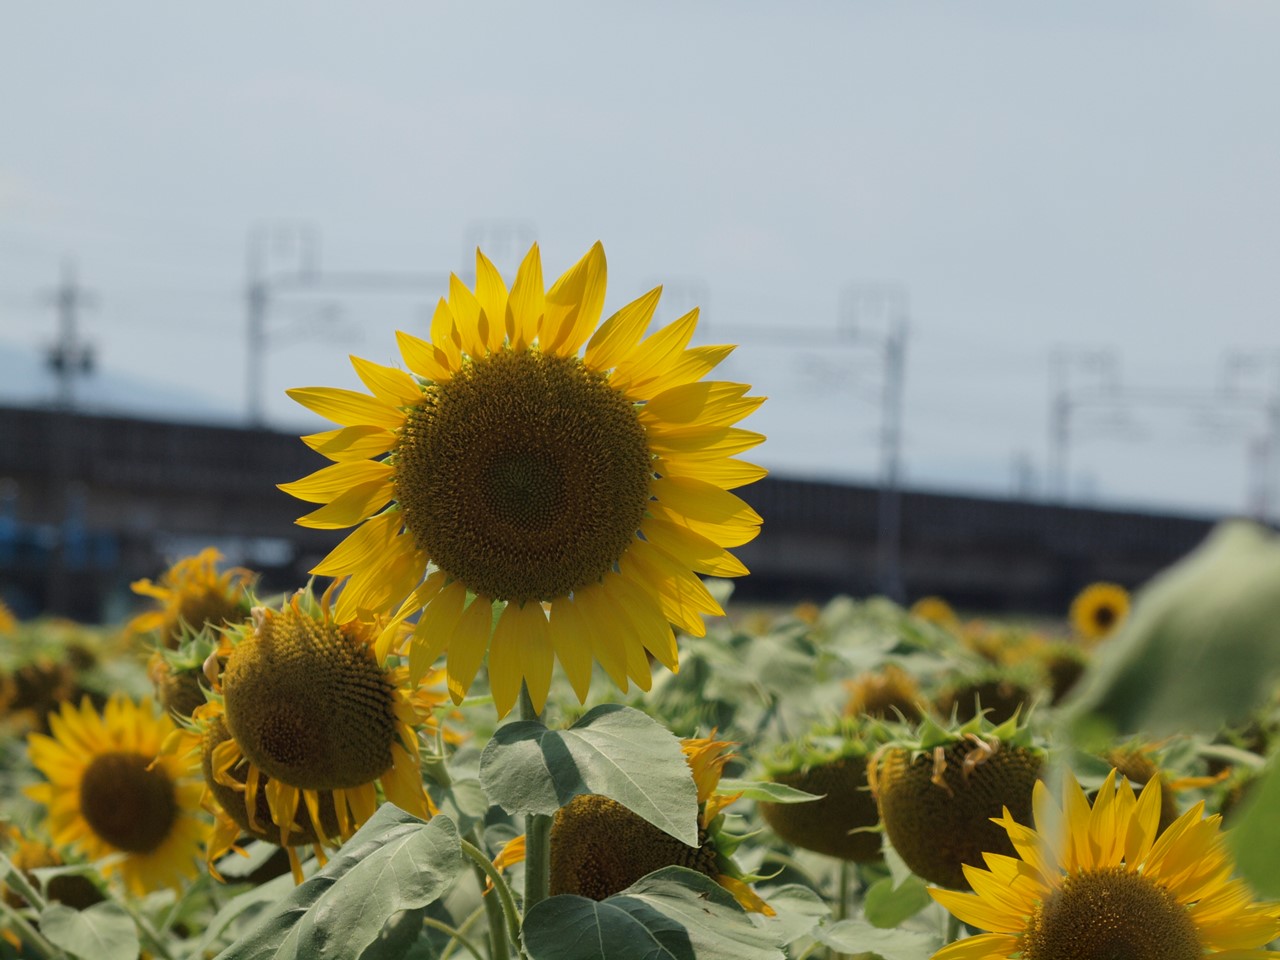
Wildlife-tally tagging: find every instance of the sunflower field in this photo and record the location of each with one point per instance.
(516, 714)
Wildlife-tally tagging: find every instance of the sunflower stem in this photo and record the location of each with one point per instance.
(953, 928)
(537, 832)
(149, 934)
(29, 934)
(456, 935)
(463, 928)
(499, 910)
(17, 881)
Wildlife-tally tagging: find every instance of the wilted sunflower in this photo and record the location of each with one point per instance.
(1099, 610)
(108, 792)
(1105, 882)
(938, 792)
(193, 593)
(889, 693)
(831, 763)
(585, 492)
(305, 717)
(599, 847)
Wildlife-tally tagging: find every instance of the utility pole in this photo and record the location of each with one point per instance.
(877, 315)
(1066, 395)
(69, 357)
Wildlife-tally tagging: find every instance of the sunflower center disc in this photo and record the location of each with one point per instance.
(127, 805)
(1104, 616)
(308, 704)
(525, 476)
(1111, 914)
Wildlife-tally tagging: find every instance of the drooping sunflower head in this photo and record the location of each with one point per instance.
(829, 762)
(1103, 880)
(576, 474)
(889, 693)
(28, 852)
(599, 847)
(192, 594)
(305, 713)
(181, 676)
(998, 693)
(1099, 610)
(938, 791)
(108, 792)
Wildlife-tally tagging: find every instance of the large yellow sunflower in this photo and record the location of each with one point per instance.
(193, 593)
(1104, 882)
(109, 793)
(582, 491)
(303, 727)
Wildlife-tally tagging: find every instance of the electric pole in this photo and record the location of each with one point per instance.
(69, 357)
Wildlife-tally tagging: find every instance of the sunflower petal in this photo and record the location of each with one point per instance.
(619, 334)
(393, 387)
(526, 304)
(327, 483)
(574, 303)
(347, 407)
(351, 443)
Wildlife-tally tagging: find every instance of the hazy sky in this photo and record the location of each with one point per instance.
(1036, 174)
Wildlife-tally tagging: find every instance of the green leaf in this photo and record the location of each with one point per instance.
(858, 936)
(1255, 837)
(394, 863)
(887, 905)
(613, 751)
(1201, 647)
(766, 790)
(104, 931)
(245, 909)
(798, 912)
(672, 914)
(462, 801)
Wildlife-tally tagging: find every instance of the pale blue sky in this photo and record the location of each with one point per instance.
(1038, 174)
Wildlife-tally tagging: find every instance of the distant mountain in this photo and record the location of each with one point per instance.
(26, 380)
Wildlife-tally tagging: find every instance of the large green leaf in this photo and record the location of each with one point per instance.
(673, 914)
(1201, 647)
(395, 863)
(613, 750)
(104, 931)
(887, 904)
(797, 912)
(858, 936)
(1255, 838)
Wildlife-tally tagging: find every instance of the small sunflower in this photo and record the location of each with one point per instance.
(8, 622)
(938, 792)
(193, 593)
(1104, 881)
(583, 492)
(109, 793)
(304, 718)
(937, 611)
(599, 847)
(28, 853)
(1099, 610)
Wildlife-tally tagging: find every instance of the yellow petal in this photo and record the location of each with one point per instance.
(703, 443)
(619, 334)
(725, 474)
(597, 624)
(468, 646)
(656, 354)
(574, 303)
(351, 507)
(435, 629)
(491, 301)
(693, 364)
(466, 312)
(689, 548)
(986, 946)
(537, 656)
(425, 359)
(526, 304)
(704, 404)
(351, 443)
(393, 387)
(360, 547)
(348, 407)
(328, 483)
(506, 669)
(977, 912)
(704, 501)
(572, 645)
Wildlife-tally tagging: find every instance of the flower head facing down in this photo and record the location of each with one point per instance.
(1104, 881)
(576, 473)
